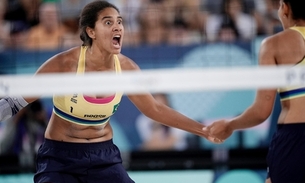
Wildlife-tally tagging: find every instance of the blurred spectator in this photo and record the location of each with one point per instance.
(69, 14)
(228, 32)
(180, 35)
(232, 10)
(156, 136)
(213, 6)
(185, 20)
(272, 22)
(23, 134)
(188, 13)
(258, 11)
(23, 14)
(4, 26)
(48, 34)
(71, 34)
(71, 8)
(153, 24)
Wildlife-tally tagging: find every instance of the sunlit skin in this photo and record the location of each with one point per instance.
(284, 48)
(109, 25)
(107, 37)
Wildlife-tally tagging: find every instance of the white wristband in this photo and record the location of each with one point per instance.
(9, 106)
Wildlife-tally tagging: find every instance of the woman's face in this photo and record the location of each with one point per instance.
(108, 32)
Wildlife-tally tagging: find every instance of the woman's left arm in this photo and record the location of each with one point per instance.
(165, 115)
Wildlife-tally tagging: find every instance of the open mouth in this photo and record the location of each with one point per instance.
(116, 41)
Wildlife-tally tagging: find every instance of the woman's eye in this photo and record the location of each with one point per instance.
(108, 22)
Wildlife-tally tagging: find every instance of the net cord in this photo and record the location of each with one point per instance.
(153, 80)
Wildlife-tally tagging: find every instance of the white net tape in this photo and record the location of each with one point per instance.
(156, 80)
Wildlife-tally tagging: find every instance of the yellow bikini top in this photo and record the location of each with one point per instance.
(84, 110)
(288, 93)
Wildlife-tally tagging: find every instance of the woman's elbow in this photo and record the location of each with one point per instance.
(153, 112)
(263, 115)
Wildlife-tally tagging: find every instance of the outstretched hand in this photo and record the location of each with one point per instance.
(209, 137)
(218, 131)
(214, 139)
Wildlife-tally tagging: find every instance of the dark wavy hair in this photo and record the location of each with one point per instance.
(297, 8)
(89, 16)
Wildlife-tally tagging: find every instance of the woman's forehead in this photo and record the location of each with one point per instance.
(109, 12)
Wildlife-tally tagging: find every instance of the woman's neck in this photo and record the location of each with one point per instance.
(98, 59)
(299, 23)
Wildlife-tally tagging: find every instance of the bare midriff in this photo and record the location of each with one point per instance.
(61, 130)
(293, 111)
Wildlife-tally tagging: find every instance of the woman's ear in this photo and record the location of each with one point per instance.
(286, 9)
(90, 32)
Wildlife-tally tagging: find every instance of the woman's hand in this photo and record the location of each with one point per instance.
(218, 131)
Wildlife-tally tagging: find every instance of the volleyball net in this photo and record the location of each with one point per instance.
(153, 80)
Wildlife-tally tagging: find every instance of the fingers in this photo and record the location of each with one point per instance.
(218, 141)
(206, 131)
(215, 140)
(206, 128)
(211, 137)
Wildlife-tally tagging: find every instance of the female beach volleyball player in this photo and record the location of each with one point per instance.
(78, 143)
(286, 157)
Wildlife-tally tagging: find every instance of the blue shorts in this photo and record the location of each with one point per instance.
(286, 156)
(64, 162)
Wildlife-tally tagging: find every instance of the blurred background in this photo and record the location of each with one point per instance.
(158, 34)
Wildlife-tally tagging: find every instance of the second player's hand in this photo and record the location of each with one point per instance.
(218, 131)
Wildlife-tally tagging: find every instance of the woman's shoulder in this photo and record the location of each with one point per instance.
(287, 35)
(70, 53)
(287, 46)
(65, 61)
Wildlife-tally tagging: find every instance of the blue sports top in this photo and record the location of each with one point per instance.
(84, 110)
(288, 93)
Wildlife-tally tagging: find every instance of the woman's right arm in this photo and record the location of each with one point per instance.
(11, 105)
(52, 65)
